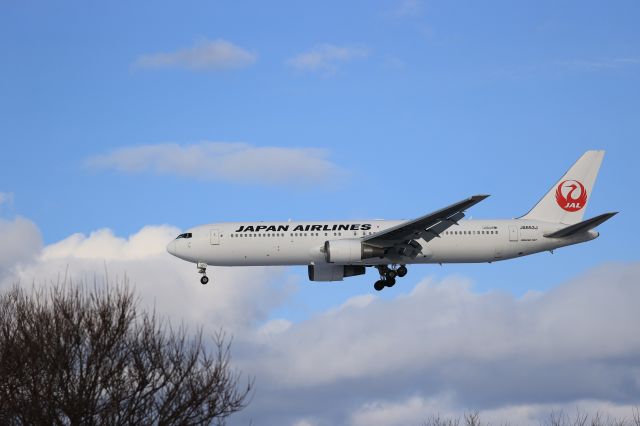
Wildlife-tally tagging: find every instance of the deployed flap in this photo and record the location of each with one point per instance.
(426, 227)
(582, 226)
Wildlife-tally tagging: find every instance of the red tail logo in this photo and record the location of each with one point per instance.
(571, 195)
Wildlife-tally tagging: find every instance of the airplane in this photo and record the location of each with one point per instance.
(334, 250)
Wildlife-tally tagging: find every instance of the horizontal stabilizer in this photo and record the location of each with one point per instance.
(583, 226)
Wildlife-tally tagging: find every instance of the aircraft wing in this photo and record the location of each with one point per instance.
(402, 238)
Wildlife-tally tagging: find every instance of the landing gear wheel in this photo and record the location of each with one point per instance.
(379, 285)
(391, 274)
(390, 282)
(402, 271)
(202, 269)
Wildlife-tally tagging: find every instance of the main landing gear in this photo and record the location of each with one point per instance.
(388, 276)
(202, 269)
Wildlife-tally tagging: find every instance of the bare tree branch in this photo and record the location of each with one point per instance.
(73, 356)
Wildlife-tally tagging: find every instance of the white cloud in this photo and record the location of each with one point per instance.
(305, 422)
(236, 162)
(463, 326)
(444, 348)
(236, 298)
(20, 243)
(203, 56)
(413, 410)
(326, 58)
(6, 198)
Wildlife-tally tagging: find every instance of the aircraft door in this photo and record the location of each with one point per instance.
(513, 233)
(214, 236)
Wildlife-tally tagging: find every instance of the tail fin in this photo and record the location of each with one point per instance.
(567, 200)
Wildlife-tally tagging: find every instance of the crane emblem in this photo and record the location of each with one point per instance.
(571, 195)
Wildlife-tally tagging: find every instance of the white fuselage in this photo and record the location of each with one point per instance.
(302, 243)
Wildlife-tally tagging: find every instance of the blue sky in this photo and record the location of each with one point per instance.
(449, 99)
(405, 105)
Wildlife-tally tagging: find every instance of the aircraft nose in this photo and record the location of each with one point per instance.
(171, 247)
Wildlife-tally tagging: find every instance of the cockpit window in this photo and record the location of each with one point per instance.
(185, 235)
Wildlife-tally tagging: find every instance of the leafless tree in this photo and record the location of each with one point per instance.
(470, 419)
(437, 420)
(560, 418)
(71, 355)
(555, 418)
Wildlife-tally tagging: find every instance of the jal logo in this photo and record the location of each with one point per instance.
(571, 195)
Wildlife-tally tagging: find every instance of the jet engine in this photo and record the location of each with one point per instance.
(333, 272)
(350, 250)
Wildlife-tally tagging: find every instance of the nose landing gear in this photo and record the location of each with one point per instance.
(202, 269)
(388, 276)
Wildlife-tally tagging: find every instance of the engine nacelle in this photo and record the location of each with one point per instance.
(350, 250)
(333, 272)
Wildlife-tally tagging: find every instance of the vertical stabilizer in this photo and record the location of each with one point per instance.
(567, 200)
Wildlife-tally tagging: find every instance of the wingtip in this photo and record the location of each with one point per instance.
(480, 197)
